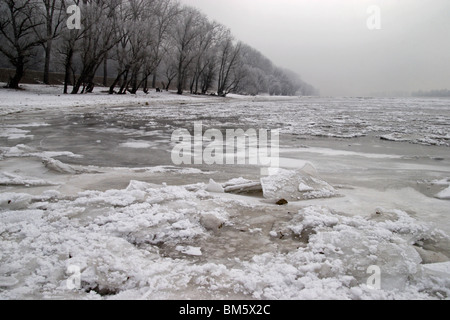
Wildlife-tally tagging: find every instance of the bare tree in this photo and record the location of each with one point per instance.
(152, 42)
(20, 34)
(185, 36)
(53, 11)
(209, 72)
(67, 48)
(229, 73)
(210, 32)
(170, 67)
(139, 52)
(144, 37)
(263, 76)
(129, 51)
(100, 36)
(166, 12)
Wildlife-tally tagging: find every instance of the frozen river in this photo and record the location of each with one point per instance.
(95, 188)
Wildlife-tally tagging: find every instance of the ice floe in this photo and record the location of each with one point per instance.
(295, 185)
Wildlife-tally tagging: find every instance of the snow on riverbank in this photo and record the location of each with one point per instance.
(38, 97)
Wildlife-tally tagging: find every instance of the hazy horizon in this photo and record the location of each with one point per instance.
(329, 44)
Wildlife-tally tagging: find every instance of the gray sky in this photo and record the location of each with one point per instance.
(329, 44)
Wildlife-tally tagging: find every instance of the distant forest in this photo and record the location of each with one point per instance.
(432, 93)
(134, 45)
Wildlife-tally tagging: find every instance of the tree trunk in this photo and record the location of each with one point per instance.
(191, 87)
(204, 87)
(66, 76)
(48, 50)
(154, 81)
(105, 70)
(90, 83)
(90, 87)
(124, 84)
(145, 83)
(180, 78)
(115, 82)
(77, 86)
(196, 84)
(68, 68)
(168, 84)
(134, 84)
(15, 80)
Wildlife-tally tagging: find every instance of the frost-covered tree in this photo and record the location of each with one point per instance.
(206, 55)
(230, 72)
(101, 34)
(67, 47)
(144, 26)
(165, 12)
(132, 49)
(255, 81)
(209, 70)
(262, 76)
(54, 16)
(169, 69)
(146, 40)
(185, 37)
(20, 34)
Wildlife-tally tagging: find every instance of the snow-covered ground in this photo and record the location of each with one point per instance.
(91, 206)
(41, 97)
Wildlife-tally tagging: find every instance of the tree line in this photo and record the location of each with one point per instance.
(432, 93)
(145, 41)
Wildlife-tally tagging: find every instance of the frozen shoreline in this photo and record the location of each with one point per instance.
(140, 227)
(36, 97)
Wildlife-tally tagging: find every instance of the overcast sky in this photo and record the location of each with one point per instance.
(330, 45)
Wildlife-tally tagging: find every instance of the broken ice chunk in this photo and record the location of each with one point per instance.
(303, 187)
(444, 194)
(241, 185)
(441, 269)
(211, 222)
(191, 251)
(8, 281)
(214, 187)
(295, 185)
